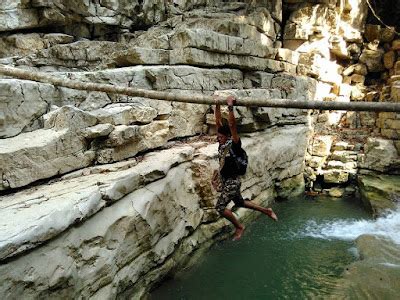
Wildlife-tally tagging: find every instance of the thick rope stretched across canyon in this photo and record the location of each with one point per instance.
(195, 98)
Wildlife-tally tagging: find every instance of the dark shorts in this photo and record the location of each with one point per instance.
(230, 192)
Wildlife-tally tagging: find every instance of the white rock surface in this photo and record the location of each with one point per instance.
(21, 103)
(144, 213)
(380, 155)
(41, 154)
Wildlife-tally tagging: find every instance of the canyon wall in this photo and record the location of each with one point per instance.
(103, 195)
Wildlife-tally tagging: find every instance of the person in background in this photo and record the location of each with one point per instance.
(232, 158)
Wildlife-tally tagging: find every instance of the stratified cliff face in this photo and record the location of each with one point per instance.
(104, 194)
(123, 226)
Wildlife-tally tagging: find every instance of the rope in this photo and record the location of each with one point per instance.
(195, 98)
(379, 19)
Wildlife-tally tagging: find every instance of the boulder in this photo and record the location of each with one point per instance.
(321, 145)
(69, 117)
(379, 193)
(22, 102)
(372, 59)
(99, 130)
(336, 176)
(127, 141)
(375, 273)
(125, 114)
(336, 192)
(380, 155)
(389, 59)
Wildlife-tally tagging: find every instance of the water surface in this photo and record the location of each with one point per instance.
(301, 256)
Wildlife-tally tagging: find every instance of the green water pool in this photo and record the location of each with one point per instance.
(300, 257)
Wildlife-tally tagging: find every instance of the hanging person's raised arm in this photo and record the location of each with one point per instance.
(230, 100)
(218, 115)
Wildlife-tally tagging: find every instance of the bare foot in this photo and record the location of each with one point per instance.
(270, 213)
(238, 233)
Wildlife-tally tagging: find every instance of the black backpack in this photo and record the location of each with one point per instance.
(241, 161)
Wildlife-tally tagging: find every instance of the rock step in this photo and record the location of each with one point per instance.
(343, 145)
(179, 79)
(35, 215)
(356, 136)
(338, 165)
(343, 156)
(212, 41)
(197, 57)
(214, 49)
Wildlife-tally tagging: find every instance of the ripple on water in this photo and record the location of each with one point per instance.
(387, 226)
(300, 257)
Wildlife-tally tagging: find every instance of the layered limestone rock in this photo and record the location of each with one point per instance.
(141, 211)
(257, 28)
(159, 207)
(25, 103)
(21, 14)
(133, 124)
(107, 219)
(311, 26)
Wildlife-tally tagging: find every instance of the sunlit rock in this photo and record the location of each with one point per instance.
(288, 56)
(22, 103)
(372, 59)
(41, 154)
(321, 145)
(380, 155)
(125, 114)
(98, 130)
(216, 42)
(69, 117)
(155, 210)
(133, 139)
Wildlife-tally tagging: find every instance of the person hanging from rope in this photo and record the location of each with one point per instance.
(232, 163)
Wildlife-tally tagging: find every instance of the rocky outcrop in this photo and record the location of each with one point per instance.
(137, 124)
(21, 14)
(379, 193)
(87, 210)
(377, 254)
(126, 219)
